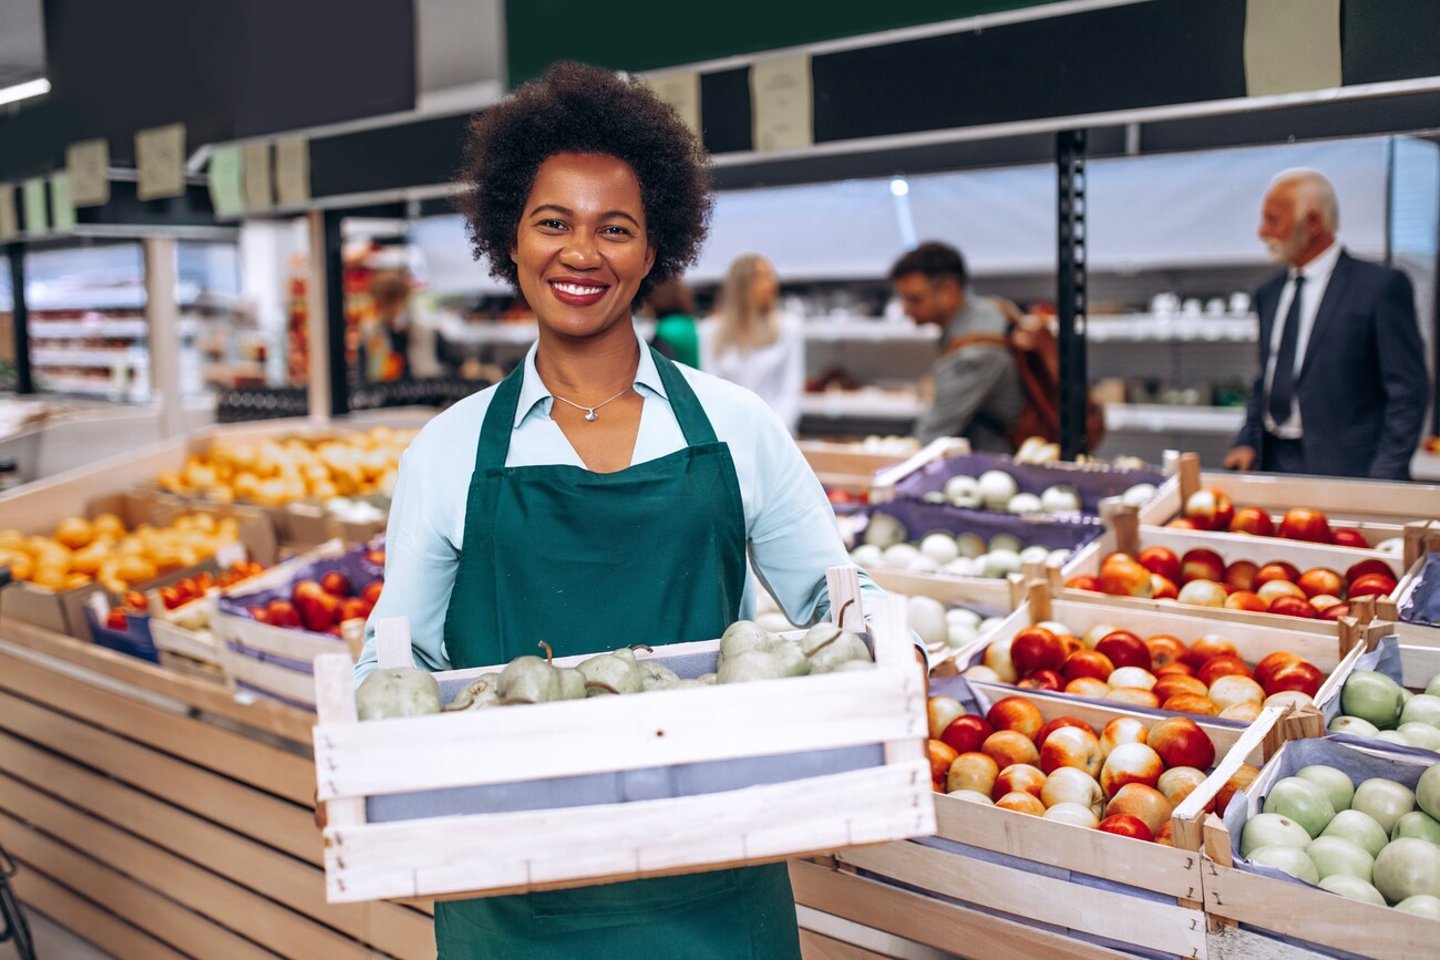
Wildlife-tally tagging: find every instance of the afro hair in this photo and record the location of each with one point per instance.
(575, 108)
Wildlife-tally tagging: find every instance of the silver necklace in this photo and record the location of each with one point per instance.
(590, 413)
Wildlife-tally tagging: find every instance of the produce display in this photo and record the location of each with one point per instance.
(101, 549)
(1211, 509)
(748, 652)
(963, 555)
(943, 628)
(1376, 841)
(184, 591)
(1207, 677)
(320, 606)
(1126, 778)
(274, 473)
(1202, 578)
(1374, 706)
(1028, 484)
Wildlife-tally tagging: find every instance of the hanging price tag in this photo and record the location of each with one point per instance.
(9, 226)
(782, 103)
(88, 163)
(62, 204)
(681, 91)
(255, 161)
(292, 171)
(160, 157)
(227, 191)
(37, 220)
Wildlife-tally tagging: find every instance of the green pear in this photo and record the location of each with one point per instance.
(751, 665)
(612, 673)
(529, 679)
(397, 692)
(483, 691)
(744, 636)
(572, 684)
(656, 676)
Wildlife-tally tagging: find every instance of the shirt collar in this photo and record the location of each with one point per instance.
(535, 395)
(1318, 271)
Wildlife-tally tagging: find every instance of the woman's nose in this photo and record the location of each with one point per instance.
(581, 252)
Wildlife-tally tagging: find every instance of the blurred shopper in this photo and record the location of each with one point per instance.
(750, 341)
(676, 336)
(1342, 388)
(977, 391)
(398, 343)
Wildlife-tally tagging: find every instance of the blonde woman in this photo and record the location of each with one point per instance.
(751, 342)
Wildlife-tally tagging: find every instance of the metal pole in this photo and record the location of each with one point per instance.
(329, 374)
(1071, 298)
(20, 319)
(335, 313)
(162, 314)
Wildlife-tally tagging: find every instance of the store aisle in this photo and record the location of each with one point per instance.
(54, 943)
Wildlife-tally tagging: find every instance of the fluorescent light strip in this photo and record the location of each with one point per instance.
(24, 91)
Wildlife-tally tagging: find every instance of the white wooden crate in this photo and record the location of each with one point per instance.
(850, 466)
(508, 852)
(1420, 543)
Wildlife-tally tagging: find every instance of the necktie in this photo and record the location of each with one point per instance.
(1282, 382)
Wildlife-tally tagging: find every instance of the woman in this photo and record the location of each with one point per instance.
(613, 495)
(673, 306)
(754, 344)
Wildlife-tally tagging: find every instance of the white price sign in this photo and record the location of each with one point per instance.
(160, 158)
(292, 171)
(88, 163)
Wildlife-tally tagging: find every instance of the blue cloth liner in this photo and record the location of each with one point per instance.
(136, 641)
(1422, 605)
(1361, 759)
(1093, 482)
(1068, 531)
(627, 786)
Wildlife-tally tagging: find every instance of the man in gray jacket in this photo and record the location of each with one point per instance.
(977, 391)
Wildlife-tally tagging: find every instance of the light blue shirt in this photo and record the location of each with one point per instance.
(789, 524)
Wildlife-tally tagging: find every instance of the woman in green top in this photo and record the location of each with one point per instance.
(673, 306)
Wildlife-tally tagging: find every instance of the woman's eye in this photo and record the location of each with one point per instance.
(552, 224)
(614, 231)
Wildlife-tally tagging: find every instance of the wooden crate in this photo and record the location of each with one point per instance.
(510, 852)
(986, 594)
(882, 488)
(1294, 909)
(1421, 541)
(1080, 611)
(850, 467)
(1153, 896)
(1417, 665)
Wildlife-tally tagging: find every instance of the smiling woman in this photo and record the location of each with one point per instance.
(614, 496)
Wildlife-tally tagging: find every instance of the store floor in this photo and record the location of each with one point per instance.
(53, 943)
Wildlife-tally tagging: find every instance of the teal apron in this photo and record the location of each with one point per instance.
(590, 562)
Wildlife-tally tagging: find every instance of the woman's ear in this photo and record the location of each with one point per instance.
(649, 259)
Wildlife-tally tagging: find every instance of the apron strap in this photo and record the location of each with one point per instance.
(494, 443)
(688, 412)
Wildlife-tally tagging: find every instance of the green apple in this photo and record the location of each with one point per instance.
(1433, 687)
(1385, 800)
(1301, 801)
(1372, 696)
(1407, 867)
(1353, 726)
(1348, 886)
(1420, 734)
(1337, 855)
(1359, 828)
(1427, 791)
(1422, 905)
(1291, 860)
(1395, 737)
(1335, 782)
(1417, 823)
(1422, 708)
(1271, 830)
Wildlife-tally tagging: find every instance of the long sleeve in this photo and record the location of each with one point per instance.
(962, 382)
(420, 565)
(1402, 373)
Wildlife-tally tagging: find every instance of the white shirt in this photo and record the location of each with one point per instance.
(775, 372)
(790, 527)
(1317, 278)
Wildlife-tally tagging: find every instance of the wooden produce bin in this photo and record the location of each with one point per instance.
(1080, 611)
(157, 817)
(852, 468)
(876, 717)
(1377, 508)
(1135, 894)
(1313, 921)
(1422, 540)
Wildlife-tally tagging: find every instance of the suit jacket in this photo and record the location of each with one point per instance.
(1362, 387)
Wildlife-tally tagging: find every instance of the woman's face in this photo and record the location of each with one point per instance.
(581, 249)
(764, 288)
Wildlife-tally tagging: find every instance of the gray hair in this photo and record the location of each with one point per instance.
(1313, 191)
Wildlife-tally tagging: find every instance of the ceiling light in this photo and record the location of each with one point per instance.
(899, 187)
(24, 91)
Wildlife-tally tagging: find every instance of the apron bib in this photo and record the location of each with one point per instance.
(588, 563)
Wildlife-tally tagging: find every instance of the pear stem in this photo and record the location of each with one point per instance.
(833, 637)
(549, 654)
(642, 646)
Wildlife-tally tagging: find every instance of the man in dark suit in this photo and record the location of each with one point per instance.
(1342, 389)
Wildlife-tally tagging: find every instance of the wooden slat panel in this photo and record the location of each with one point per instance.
(816, 946)
(232, 754)
(267, 715)
(397, 930)
(100, 927)
(266, 922)
(168, 920)
(945, 926)
(266, 818)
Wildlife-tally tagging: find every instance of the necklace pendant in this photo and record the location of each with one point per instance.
(590, 414)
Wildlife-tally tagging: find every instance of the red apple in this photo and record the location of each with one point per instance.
(1161, 560)
(1254, 521)
(306, 588)
(1276, 570)
(1164, 649)
(972, 771)
(1243, 778)
(1125, 650)
(966, 733)
(1271, 662)
(997, 658)
(1072, 747)
(1126, 825)
(1122, 576)
(1293, 607)
(1191, 703)
(1177, 783)
(1072, 785)
(371, 592)
(1010, 746)
(1018, 777)
(941, 756)
(1221, 666)
(1121, 730)
(283, 613)
(1139, 800)
(1021, 802)
(1175, 684)
(1133, 697)
(1042, 680)
(1299, 675)
(1177, 668)
(1233, 690)
(336, 584)
(1016, 713)
(941, 712)
(1371, 585)
(1209, 510)
(1301, 523)
(1272, 590)
(1059, 722)
(1245, 600)
(1036, 648)
(1350, 537)
(258, 614)
(1358, 570)
(1087, 663)
(1090, 687)
(1131, 678)
(318, 612)
(375, 557)
(1335, 611)
(1070, 643)
(1181, 523)
(353, 608)
(1210, 645)
(1085, 581)
(1162, 589)
(1244, 711)
(1096, 633)
(1201, 564)
(1241, 575)
(1202, 593)
(1130, 763)
(1181, 742)
(1321, 580)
